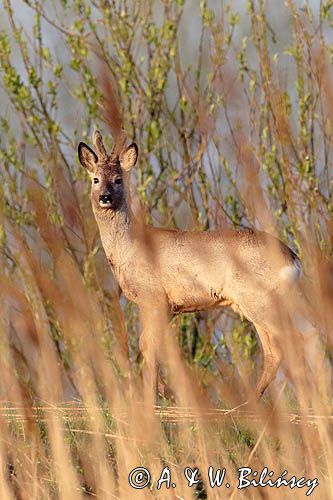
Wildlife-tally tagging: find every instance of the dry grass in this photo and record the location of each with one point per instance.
(75, 416)
(89, 445)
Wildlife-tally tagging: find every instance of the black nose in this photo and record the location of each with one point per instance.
(105, 198)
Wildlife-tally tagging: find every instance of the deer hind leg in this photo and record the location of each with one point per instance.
(297, 368)
(272, 354)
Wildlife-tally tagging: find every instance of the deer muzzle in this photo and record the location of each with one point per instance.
(105, 200)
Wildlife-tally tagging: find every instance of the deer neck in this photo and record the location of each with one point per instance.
(115, 231)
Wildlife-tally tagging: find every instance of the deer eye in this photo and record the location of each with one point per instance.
(96, 180)
(118, 181)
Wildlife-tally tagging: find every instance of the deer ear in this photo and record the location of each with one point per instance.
(87, 157)
(128, 157)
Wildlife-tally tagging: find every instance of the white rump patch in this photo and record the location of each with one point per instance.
(291, 272)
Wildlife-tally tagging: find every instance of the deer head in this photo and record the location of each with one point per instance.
(108, 172)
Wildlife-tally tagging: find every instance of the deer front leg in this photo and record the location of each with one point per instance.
(155, 317)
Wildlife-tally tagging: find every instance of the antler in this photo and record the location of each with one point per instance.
(119, 144)
(99, 145)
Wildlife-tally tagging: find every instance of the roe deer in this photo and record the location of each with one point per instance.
(188, 271)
